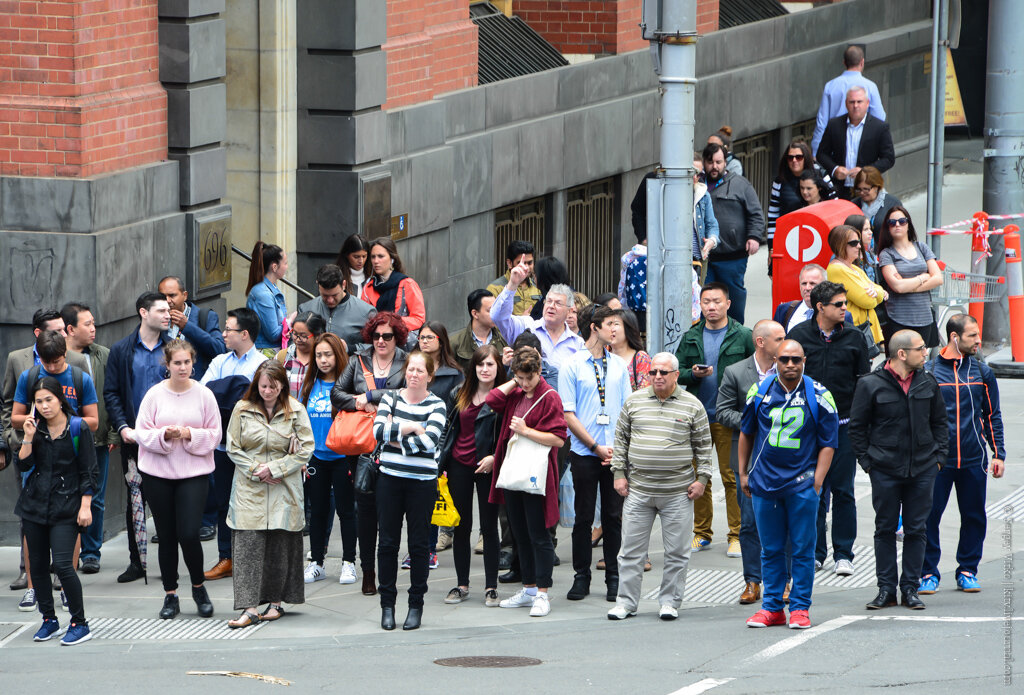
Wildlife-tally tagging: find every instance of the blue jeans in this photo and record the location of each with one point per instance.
(731, 274)
(839, 483)
(970, 484)
(787, 519)
(92, 537)
(750, 542)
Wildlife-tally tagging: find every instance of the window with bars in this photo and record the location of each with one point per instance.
(523, 221)
(590, 237)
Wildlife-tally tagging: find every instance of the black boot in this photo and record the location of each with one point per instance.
(131, 574)
(412, 621)
(885, 599)
(171, 607)
(612, 583)
(580, 588)
(387, 617)
(510, 577)
(911, 600)
(203, 604)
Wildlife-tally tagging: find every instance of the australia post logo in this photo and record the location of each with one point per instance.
(803, 243)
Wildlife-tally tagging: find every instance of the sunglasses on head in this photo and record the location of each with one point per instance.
(386, 337)
(789, 359)
(662, 372)
(898, 221)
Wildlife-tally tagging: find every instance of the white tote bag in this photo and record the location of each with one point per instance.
(525, 466)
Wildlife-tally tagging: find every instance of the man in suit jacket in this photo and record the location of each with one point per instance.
(739, 381)
(853, 141)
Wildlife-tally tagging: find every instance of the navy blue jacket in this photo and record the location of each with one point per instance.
(207, 340)
(117, 390)
(971, 394)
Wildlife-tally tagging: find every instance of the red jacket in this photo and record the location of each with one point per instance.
(547, 416)
(408, 303)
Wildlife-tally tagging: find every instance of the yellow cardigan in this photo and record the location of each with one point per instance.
(860, 304)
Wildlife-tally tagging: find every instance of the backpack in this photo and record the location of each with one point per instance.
(76, 379)
(812, 400)
(636, 284)
(76, 431)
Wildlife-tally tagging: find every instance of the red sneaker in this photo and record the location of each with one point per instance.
(765, 618)
(799, 620)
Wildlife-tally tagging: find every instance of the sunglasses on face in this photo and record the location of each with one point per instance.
(855, 243)
(663, 372)
(898, 221)
(386, 337)
(789, 359)
(837, 304)
(795, 157)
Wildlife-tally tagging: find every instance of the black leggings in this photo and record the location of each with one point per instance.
(461, 481)
(536, 551)
(58, 539)
(177, 507)
(336, 475)
(366, 513)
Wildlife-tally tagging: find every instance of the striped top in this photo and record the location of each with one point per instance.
(415, 458)
(656, 442)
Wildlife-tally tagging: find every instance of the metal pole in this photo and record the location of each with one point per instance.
(937, 124)
(670, 194)
(1003, 191)
(286, 281)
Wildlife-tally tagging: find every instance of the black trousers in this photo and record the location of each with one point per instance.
(461, 482)
(223, 478)
(888, 495)
(130, 451)
(336, 475)
(177, 507)
(536, 551)
(413, 501)
(366, 518)
(590, 478)
(56, 541)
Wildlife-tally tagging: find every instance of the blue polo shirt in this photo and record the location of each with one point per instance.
(577, 385)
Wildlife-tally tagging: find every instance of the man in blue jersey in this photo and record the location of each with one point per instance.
(788, 434)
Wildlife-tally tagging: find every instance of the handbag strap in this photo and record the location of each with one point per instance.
(535, 403)
(367, 374)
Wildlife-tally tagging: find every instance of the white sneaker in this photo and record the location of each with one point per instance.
(620, 613)
(313, 573)
(520, 599)
(668, 613)
(348, 573)
(844, 568)
(541, 605)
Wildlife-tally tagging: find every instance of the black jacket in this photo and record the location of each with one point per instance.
(59, 478)
(445, 385)
(485, 428)
(836, 365)
(352, 382)
(876, 148)
(900, 434)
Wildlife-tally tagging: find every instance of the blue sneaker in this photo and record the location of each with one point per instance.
(929, 585)
(76, 634)
(49, 630)
(698, 544)
(967, 582)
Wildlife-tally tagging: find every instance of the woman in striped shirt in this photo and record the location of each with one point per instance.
(409, 424)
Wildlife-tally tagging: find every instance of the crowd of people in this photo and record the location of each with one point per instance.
(546, 405)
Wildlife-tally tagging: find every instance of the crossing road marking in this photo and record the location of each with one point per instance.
(796, 640)
(943, 619)
(702, 686)
(11, 637)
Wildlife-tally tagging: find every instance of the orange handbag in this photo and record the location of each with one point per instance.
(351, 433)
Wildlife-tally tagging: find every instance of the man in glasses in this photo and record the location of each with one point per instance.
(661, 430)
(836, 356)
(787, 438)
(344, 314)
(900, 437)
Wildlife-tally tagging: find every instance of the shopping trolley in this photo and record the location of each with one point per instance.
(958, 290)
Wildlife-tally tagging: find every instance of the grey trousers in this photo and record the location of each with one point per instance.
(638, 513)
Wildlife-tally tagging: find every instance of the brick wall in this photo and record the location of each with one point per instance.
(707, 16)
(79, 87)
(431, 49)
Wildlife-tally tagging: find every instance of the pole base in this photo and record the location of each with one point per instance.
(1003, 366)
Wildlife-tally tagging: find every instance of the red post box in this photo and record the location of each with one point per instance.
(801, 237)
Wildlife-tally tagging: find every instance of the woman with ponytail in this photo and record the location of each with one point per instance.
(269, 264)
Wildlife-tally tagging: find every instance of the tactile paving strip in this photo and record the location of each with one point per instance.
(134, 629)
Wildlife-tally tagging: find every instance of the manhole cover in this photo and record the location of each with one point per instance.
(488, 661)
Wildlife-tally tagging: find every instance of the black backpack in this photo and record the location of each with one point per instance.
(77, 378)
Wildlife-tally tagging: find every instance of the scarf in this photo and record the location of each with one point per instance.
(871, 209)
(388, 291)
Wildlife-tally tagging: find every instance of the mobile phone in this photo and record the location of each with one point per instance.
(702, 366)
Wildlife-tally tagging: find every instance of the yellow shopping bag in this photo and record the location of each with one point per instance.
(445, 513)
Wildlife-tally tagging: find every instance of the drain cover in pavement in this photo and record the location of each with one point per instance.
(488, 661)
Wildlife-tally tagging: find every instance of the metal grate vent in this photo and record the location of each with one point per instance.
(733, 13)
(135, 629)
(509, 47)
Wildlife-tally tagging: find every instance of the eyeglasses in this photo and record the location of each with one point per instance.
(920, 348)
(864, 189)
(663, 372)
(789, 359)
(854, 243)
(795, 157)
(231, 330)
(427, 338)
(837, 304)
(898, 221)
(386, 337)
(554, 303)
(295, 335)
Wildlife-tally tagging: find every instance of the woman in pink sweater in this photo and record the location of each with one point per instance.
(177, 428)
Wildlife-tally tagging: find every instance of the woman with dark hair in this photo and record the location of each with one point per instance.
(328, 470)
(862, 295)
(390, 289)
(627, 344)
(872, 198)
(467, 458)
(268, 265)
(530, 408)
(178, 428)
(550, 272)
(270, 442)
(911, 273)
(352, 261)
(867, 237)
(786, 188)
(448, 375)
(57, 460)
(369, 375)
(409, 424)
(608, 299)
(306, 328)
(812, 189)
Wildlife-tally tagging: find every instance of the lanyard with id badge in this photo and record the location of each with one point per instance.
(602, 417)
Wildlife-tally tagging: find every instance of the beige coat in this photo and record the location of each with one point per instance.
(258, 506)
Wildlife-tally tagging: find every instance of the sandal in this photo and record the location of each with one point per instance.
(268, 619)
(249, 617)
